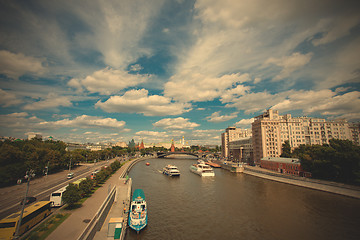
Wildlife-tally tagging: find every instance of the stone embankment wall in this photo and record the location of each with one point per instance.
(327, 186)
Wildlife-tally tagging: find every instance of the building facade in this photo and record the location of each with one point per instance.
(241, 150)
(355, 132)
(270, 131)
(284, 165)
(232, 134)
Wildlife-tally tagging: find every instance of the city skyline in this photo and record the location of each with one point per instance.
(120, 70)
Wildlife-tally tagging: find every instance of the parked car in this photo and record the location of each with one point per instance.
(28, 200)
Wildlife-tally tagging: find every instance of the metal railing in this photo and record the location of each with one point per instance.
(98, 220)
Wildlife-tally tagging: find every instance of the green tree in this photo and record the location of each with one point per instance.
(72, 195)
(86, 186)
(286, 150)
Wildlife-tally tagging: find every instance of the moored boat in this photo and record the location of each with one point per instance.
(212, 164)
(171, 170)
(202, 169)
(138, 211)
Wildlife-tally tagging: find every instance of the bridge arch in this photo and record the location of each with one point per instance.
(164, 154)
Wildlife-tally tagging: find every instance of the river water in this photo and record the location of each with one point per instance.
(238, 206)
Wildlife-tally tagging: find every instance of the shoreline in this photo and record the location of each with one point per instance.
(321, 185)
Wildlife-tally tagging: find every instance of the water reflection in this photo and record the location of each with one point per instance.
(238, 206)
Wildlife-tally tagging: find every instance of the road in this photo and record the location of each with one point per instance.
(42, 187)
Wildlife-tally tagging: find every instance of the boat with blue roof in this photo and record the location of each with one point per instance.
(138, 211)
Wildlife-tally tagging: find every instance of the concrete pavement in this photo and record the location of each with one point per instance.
(75, 224)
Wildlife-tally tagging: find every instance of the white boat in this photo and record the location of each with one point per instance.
(202, 169)
(138, 217)
(171, 170)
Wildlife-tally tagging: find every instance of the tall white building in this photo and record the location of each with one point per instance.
(232, 134)
(270, 131)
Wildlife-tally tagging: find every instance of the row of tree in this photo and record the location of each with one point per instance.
(74, 193)
(44, 157)
(337, 161)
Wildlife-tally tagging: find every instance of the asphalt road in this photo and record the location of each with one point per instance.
(41, 188)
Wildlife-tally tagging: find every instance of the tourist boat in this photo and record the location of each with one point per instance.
(202, 169)
(171, 170)
(138, 211)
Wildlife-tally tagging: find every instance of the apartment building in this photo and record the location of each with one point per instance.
(241, 150)
(270, 131)
(232, 134)
(355, 132)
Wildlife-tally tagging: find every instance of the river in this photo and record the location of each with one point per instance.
(238, 206)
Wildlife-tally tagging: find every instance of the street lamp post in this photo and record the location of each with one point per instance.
(70, 165)
(29, 175)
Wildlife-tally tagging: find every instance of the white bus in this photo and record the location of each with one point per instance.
(56, 197)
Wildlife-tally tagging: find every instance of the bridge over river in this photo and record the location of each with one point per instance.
(165, 154)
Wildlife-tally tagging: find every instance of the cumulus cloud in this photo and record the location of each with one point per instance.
(8, 99)
(175, 123)
(254, 102)
(211, 136)
(216, 117)
(85, 121)
(337, 105)
(289, 64)
(108, 81)
(52, 100)
(18, 121)
(193, 86)
(138, 101)
(324, 102)
(245, 123)
(15, 65)
(238, 91)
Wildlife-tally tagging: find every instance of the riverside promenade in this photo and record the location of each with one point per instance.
(321, 185)
(75, 224)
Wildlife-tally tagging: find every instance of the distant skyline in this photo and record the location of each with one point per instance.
(110, 71)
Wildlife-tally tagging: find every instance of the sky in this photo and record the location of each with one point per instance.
(112, 71)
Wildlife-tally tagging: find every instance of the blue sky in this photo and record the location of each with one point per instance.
(109, 71)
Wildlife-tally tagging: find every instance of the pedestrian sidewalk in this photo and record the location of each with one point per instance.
(118, 210)
(75, 224)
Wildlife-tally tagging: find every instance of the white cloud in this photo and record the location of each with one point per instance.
(210, 136)
(175, 123)
(18, 122)
(230, 94)
(108, 81)
(8, 99)
(254, 102)
(303, 99)
(336, 28)
(324, 102)
(289, 64)
(344, 66)
(215, 117)
(15, 65)
(138, 101)
(135, 67)
(337, 105)
(85, 121)
(245, 123)
(193, 86)
(52, 101)
(151, 133)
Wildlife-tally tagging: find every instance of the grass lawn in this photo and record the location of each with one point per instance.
(44, 229)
